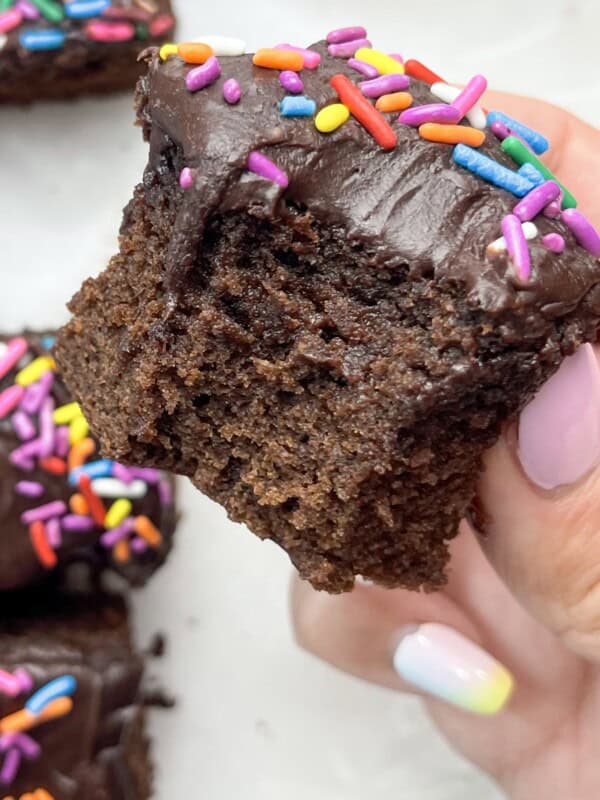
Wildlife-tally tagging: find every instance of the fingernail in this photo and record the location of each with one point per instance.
(559, 431)
(442, 662)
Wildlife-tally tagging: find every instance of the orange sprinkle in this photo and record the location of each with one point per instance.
(80, 452)
(39, 541)
(398, 101)
(54, 465)
(278, 59)
(95, 505)
(417, 70)
(360, 108)
(194, 52)
(148, 531)
(24, 720)
(42, 794)
(78, 505)
(452, 134)
(28, 796)
(121, 551)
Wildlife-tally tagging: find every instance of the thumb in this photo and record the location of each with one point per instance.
(540, 503)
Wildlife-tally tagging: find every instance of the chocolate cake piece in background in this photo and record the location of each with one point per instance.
(323, 330)
(71, 700)
(52, 49)
(60, 501)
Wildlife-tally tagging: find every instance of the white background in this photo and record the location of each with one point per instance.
(256, 718)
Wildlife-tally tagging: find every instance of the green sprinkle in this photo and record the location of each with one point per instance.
(5, 4)
(141, 31)
(51, 10)
(523, 155)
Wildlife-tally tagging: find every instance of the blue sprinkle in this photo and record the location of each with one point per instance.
(299, 106)
(48, 342)
(491, 170)
(84, 9)
(531, 173)
(46, 39)
(95, 469)
(59, 687)
(538, 143)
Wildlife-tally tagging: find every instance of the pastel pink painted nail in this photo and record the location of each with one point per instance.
(442, 662)
(559, 431)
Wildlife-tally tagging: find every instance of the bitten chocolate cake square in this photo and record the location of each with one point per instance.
(55, 49)
(71, 706)
(316, 319)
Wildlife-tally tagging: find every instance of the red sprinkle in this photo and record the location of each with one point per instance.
(161, 25)
(377, 125)
(54, 465)
(95, 505)
(417, 70)
(39, 541)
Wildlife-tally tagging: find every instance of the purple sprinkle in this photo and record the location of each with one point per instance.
(18, 459)
(583, 230)
(502, 132)
(386, 84)
(537, 199)
(554, 242)
(110, 538)
(145, 474)
(397, 57)
(349, 34)
(29, 488)
(139, 545)
(186, 178)
(232, 91)
(368, 70)
(76, 524)
(10, 399)
(10, 767)
(28, 10)
(37, 393)
(347, 49)
(23, 426)
(61, 441)
(165, 492)
(24, 679)
(9, 686)
(54, 533)
(434, 112)
(311, 59)
(7, 740)
(202, 76)
(122, 472)
(42, 513)
(517, 246)
(291, 82)
(260, 165)
(554, 209)
(47, 428)
(28, 746)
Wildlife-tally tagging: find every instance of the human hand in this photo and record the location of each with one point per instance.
(527, 593)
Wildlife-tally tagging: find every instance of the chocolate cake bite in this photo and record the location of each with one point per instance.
(338, 278)
(71, 704)
(59, 49)
(60, 501)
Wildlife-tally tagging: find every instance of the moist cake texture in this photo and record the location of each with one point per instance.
(322, 329)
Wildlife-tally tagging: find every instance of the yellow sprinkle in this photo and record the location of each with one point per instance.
(167, 50)
(385, 64)
(34, 371)
(117, 513)
(78, 430)
(66, 414)
(331, 117)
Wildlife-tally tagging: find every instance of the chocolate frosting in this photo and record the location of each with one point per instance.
(413, 204)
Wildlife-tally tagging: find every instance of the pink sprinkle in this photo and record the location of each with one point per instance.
(397, 57)
(434, 112)
(10, 19)
(311, 58)
(386, 84)
(122, 472)
(147, 474)
(47, 428)
(42, 513)
(554, 209)
(23, 426)
(121, 12)
(139, 545)
(10, 766)
(19, 459)
(9, 685)
(10, 399)
(232, 91)
(160, 25)
(53, 533)
(24, 679)
(76, 524)
(260, 165)
(15, 350)
(517, 246)
(100, 31)
(470, 95)
(110, 538)
(291, 82)
(28, 10)
(368, 70)
(202, 76)
(349, 34)
(554, 242)
(347, 49)
(29, 488)
(61, 441)
(186, 179)
(165, 492)
(536, 200)
(583, 230)
(37, 393)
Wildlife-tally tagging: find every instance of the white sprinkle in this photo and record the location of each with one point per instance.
(224, 45)
(111, 487)
(3, 41)
(529, 229)
(3, 348)
(448, 94)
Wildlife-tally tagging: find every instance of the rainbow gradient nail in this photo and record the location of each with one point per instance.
(443, 663)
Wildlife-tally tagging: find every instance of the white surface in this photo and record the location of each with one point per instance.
(257, 719)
